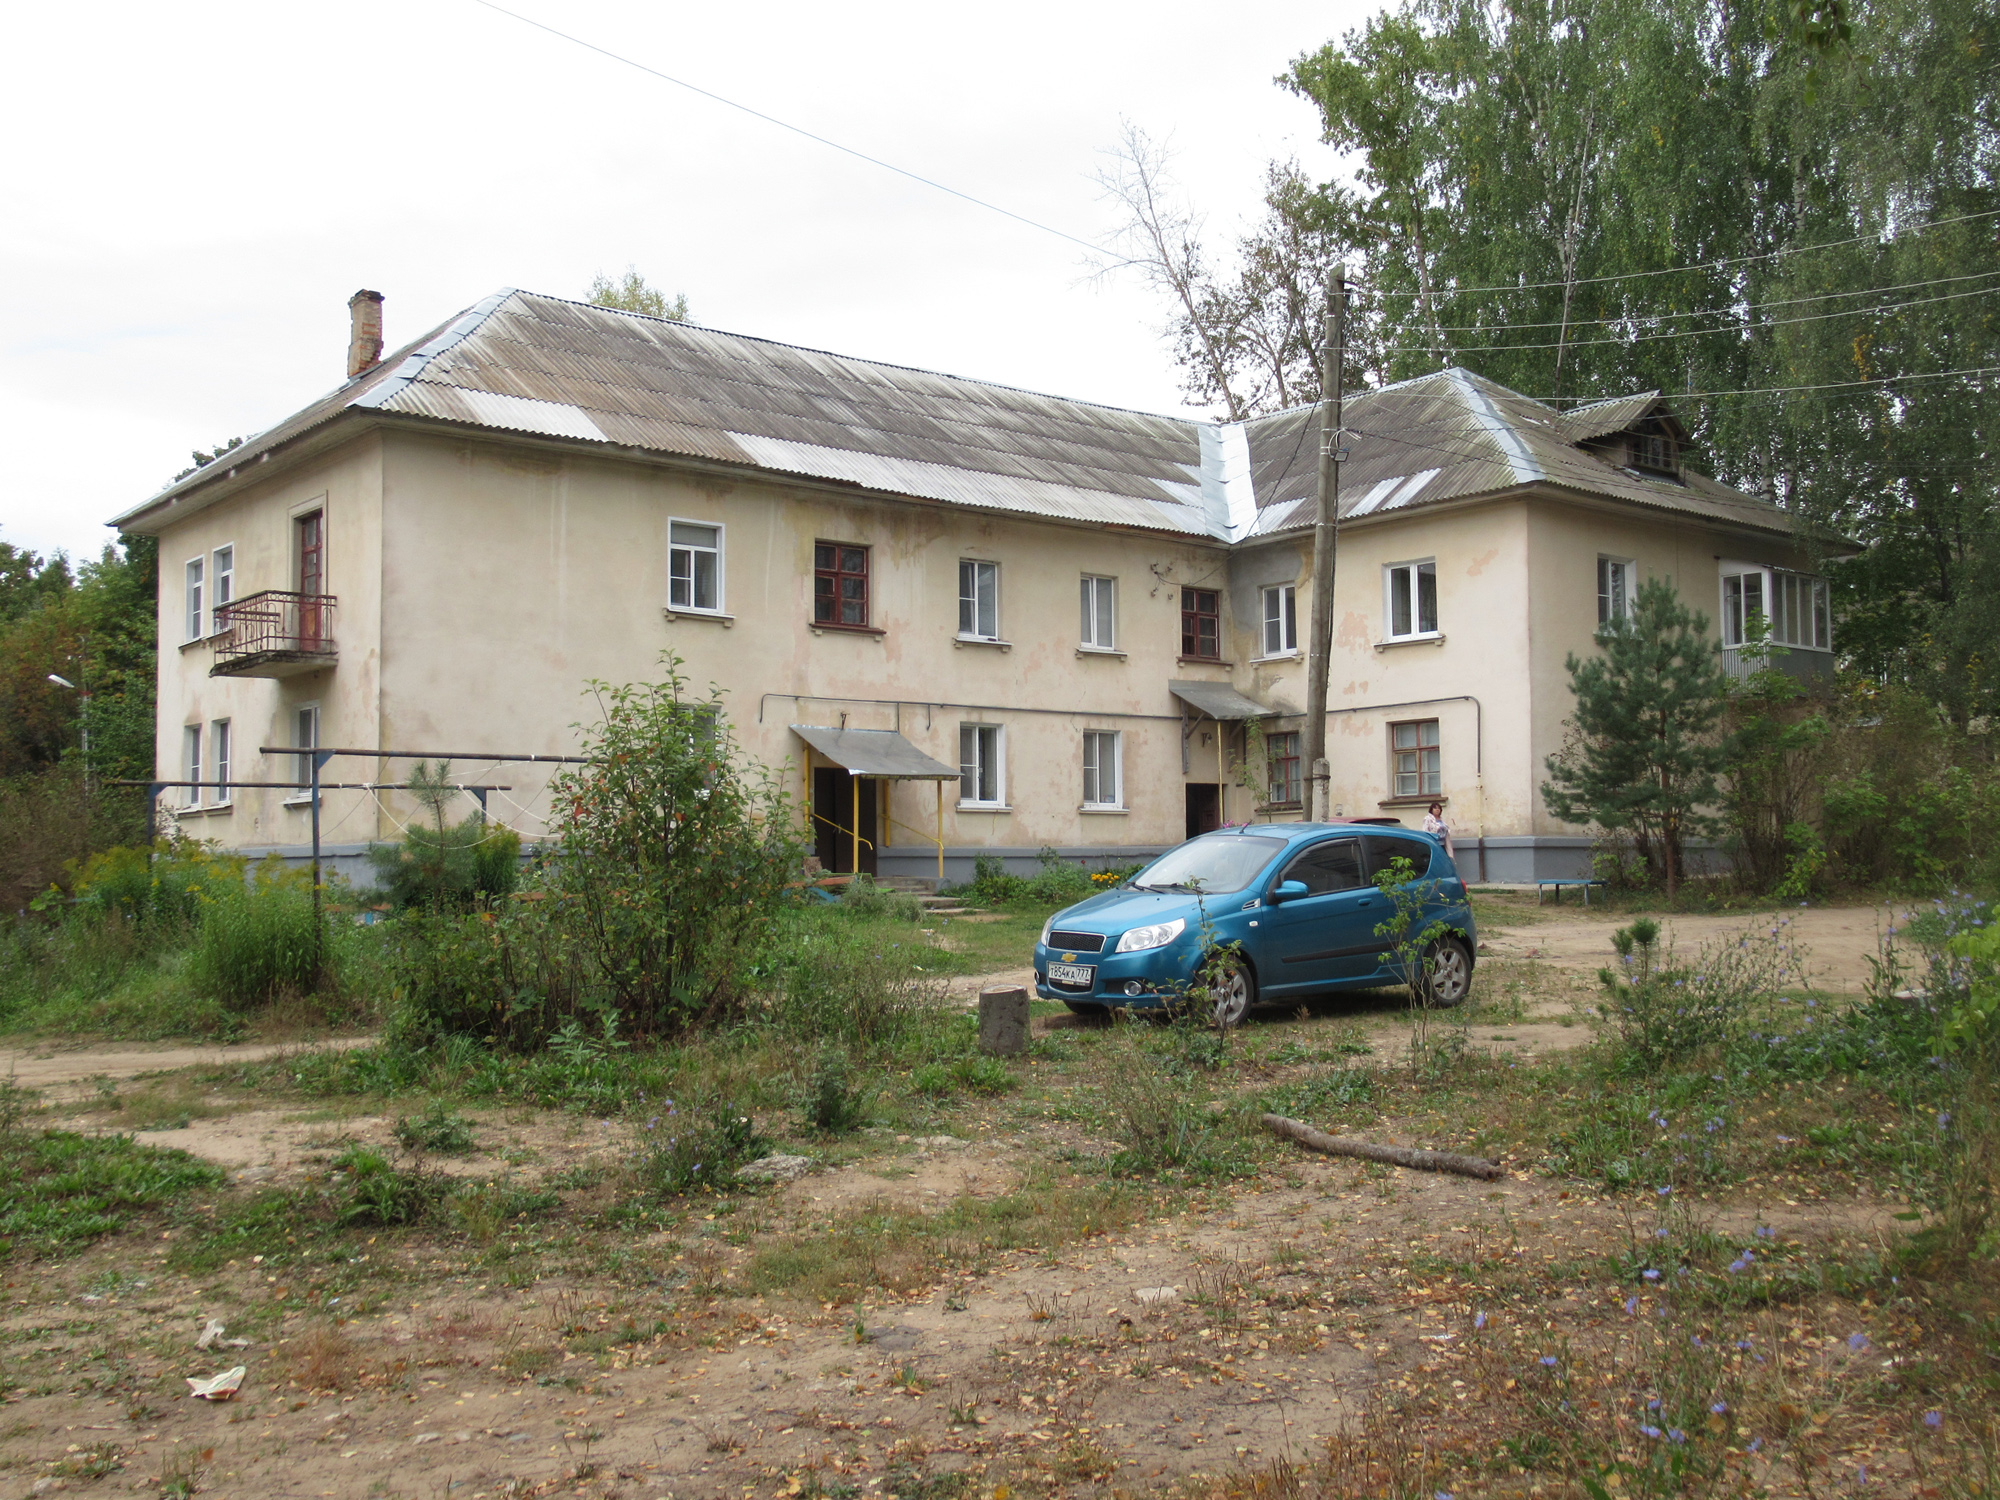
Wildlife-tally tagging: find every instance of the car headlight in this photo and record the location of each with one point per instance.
(1047, 928)
(1156, 936)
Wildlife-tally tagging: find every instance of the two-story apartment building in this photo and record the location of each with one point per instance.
(966, 618)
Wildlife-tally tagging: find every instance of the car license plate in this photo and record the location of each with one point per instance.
(1080, 975)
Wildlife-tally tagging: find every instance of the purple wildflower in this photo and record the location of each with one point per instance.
(1549, 1360)
(1479, 1321)
(1650, 1275)
(1652, 1432)
(1857, 1342)
(1631, 1304)
(1934, 1420)
(1718, 1409)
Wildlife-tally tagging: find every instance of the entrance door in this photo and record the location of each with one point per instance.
(833, 820)
(1204, 807)
(312, 579)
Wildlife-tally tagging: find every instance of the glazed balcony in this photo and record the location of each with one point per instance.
(274, 634)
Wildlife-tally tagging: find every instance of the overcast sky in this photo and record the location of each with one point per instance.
(192, 193)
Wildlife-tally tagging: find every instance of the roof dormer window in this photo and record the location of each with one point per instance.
(1656, 452)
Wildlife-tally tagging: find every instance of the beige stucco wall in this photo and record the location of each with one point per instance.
(258, 522)
(509, 573)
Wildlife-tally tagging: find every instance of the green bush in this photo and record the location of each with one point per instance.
(1056, 883)
(866, 898)
(260, 942)
(831, 983)
(438, 1129)
(164, 887)
(376, 1191)
(974, 1073)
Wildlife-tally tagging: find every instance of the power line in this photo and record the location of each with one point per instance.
(874, 161)
(1712, 265)
(1496, 326)
(1696, 333)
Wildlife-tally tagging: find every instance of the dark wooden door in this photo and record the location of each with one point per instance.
(312, 579)
(1204, 807)
(833, 820)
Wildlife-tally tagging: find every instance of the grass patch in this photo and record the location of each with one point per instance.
(59, 1190)
(851, 1256)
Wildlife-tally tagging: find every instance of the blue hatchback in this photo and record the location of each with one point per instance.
(1300, 899)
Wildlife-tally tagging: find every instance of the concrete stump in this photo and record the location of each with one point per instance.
(1003, 1021)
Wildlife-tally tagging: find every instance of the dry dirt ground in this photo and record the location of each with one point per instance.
(1210, 1332)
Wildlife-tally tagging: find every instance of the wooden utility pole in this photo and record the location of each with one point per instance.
(1319, 659)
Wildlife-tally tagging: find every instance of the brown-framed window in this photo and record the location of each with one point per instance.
(840, 584)
(1201, 624)
(1413, 748)
(1284, 753)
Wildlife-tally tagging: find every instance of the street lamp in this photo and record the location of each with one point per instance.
(84, 695)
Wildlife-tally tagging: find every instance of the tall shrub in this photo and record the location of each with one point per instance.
(1647, 752)
(674, 855)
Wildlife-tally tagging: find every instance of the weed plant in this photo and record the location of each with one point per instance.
(1056, 883)
(257, 943)
(831, 1100)
(693, 1145)
(437, 1129)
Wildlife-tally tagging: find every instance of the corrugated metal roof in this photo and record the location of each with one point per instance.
(520, 362)
(1221, 701)
(875, 752)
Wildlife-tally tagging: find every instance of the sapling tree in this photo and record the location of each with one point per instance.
(1647, 750)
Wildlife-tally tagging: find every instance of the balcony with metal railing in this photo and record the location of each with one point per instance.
(276, 633)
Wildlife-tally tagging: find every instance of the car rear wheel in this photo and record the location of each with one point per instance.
(1232, 994)
(1447, 972)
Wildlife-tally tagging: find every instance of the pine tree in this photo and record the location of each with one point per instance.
(1647, 751)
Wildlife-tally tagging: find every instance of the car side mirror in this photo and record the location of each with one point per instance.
(1289, 890)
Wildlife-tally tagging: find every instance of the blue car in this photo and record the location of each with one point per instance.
(1300, 899)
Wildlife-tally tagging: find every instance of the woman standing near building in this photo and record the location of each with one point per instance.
(1437, 828)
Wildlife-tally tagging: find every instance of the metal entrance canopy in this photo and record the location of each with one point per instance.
(1220, 701)
(873, 755)
(882, 753)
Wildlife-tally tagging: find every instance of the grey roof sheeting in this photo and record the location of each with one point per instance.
(875, 752)
(519, 362)
(1221, 701)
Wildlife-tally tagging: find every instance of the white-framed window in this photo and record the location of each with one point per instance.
(1795, 606)
(1413, 752)
(221, 585)
(694, 565)
(978, 600)
(981, 778)
(305, 734)
(191, 763)
(1100, 613)
(1412, 604)
(1281, 619)
(1103, 785)
(197, 617)
(218, 753)
(1283, 751)
(1614, 589)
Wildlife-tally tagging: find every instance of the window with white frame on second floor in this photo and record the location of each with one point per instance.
(218, 749)
(1794, 607)
(1101, 782)
(191, 764)
(1281, 619)
(1413, 751)
(979, 767)
(694, 566)
(197, 616)
(221, 587)
(1614, 589)
(1413, 600)
(1100, 613)
(978, 600)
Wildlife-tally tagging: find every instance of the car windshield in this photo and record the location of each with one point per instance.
(1215, 864)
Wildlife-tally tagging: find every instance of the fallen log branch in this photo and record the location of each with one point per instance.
(1396, 1156)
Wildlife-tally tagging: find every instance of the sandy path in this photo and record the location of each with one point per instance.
(44, 1067)
(1839, 940)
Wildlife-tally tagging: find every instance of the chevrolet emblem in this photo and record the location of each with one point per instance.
(1069, 958)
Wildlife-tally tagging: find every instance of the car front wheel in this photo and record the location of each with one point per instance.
(1232, 994)
(1447, 972)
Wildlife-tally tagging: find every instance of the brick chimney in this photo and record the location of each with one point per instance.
(364, 350)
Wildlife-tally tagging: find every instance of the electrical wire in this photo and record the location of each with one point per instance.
(1713, 265)
(1496, 326)
(1696, 333)
(874, 161)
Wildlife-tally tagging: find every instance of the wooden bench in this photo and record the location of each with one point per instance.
(1542, 885)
